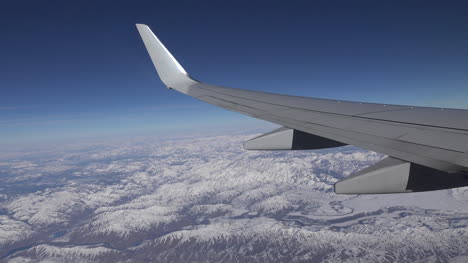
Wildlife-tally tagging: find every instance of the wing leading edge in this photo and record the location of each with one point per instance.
(422, 136)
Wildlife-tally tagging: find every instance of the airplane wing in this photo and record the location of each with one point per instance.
(427, 148)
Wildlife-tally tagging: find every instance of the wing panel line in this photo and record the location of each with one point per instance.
(344, 115)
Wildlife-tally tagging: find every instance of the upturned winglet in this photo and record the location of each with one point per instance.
(172, 74)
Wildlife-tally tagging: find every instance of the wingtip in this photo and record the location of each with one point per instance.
(138, 25)
(168, 68)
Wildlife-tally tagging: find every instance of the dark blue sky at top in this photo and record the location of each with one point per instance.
(79, 68)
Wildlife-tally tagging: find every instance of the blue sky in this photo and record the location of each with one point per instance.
(78, 68)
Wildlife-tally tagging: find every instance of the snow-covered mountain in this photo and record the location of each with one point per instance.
(199, 199)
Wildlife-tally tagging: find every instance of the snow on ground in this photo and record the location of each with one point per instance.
(205, 198)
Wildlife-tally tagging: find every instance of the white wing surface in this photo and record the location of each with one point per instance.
(428, 145)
